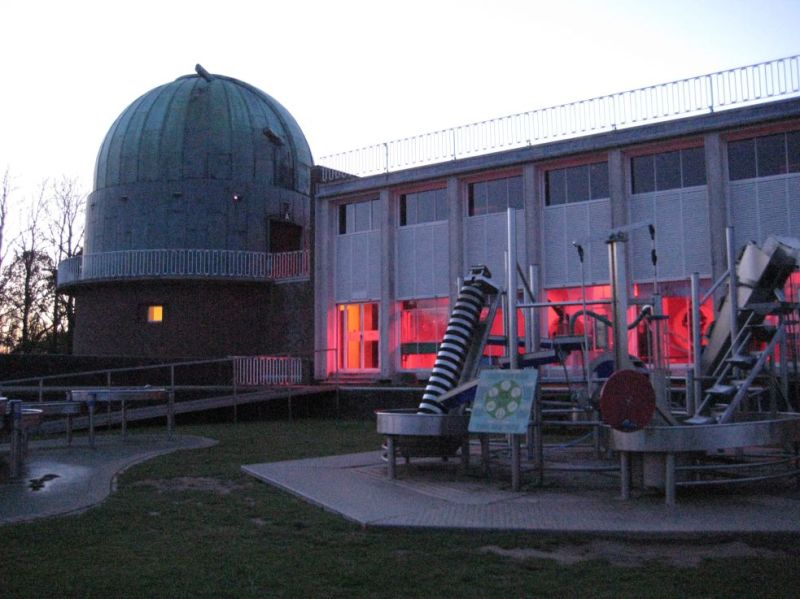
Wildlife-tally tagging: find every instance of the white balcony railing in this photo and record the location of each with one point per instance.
(183, 263)
(696, 95)
(267, 370)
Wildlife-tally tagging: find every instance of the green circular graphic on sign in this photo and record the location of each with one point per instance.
(503, 399)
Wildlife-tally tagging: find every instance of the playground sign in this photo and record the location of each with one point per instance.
(503, 401)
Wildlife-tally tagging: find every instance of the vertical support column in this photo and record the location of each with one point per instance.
(455, 235)
(533, 204)
(171, 403)
(625, 475)
(733, 288)
(619, 298)
(618, 188)
(718, 211)
(388, 310)
(669, 479)
(324, 273)
(15, 409)
(511, 290)
(697, 369)
(516, 465)
(391, 459)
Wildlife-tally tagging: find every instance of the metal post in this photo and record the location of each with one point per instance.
(619, 298)
(235, 393)
(516, 466)
(124, 425)
(539, 440)
(171, 403)
(15, 406)
(90, 408)
(485, 455)
(391, 460)
(625, 475)
(784, 363)
(733, 285)
(530, 322)
(41, 390)
(511, 291)
(697, 369)
(585, 320)
(669, 479)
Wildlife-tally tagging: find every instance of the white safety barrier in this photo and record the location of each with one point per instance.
(267, 370)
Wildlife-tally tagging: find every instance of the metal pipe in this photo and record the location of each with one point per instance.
(697, 369)
(589, 302)
(733, 286)
(511, 290)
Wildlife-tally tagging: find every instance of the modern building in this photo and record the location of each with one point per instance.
(691, 158)
(198, 230)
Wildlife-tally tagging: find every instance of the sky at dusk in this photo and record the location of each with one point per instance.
(352, 72)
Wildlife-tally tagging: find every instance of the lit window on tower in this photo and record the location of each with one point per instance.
(155, 313)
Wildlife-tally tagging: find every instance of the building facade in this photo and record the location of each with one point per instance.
(391, 247)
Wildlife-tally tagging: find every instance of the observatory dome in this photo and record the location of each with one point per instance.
(204, 126)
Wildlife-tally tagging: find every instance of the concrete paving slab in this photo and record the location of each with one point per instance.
(432, 494)
(58, 479)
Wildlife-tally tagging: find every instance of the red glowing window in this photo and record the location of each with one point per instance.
(422, 326)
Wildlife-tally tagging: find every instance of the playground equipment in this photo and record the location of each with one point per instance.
(730, 419)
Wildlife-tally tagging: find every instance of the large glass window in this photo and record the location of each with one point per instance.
(422, 326)
(357, 217)
(497, 195)
(423, 207)
(668, 170)
(359, 336)
(576, 183)
(764, 156)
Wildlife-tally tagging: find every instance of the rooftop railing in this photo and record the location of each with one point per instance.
(185, 263)
(696, 95)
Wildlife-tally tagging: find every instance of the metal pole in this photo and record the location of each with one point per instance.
(171, 403)
(697, 368)
(511, 291)
(15, 407)
(733, 285)
(619, 299)
(585, 321)
(516, 467)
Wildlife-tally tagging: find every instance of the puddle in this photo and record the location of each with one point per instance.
(37, 484)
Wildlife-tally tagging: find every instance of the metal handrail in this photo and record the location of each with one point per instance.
(273, 370)
(701, 94)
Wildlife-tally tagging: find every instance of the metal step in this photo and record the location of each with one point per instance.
(742, 360)
(722, 389)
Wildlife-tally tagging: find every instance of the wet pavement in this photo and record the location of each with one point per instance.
(58, 479)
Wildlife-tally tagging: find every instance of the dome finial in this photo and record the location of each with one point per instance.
(202, 72)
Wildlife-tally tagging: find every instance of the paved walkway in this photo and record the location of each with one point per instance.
(433, 494)
(59, 479)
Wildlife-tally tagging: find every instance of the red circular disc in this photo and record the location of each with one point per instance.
(627, 401)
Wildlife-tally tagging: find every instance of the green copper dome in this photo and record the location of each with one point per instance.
(208, 127)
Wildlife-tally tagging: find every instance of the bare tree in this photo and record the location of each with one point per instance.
(65, 238)
(28, 282)
(5, 194)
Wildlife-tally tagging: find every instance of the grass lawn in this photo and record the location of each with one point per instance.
(191, 524)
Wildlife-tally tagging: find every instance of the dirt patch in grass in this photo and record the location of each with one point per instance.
(637, 554)
(193, 483)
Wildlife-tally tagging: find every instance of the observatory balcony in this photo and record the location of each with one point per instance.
(229, 265)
